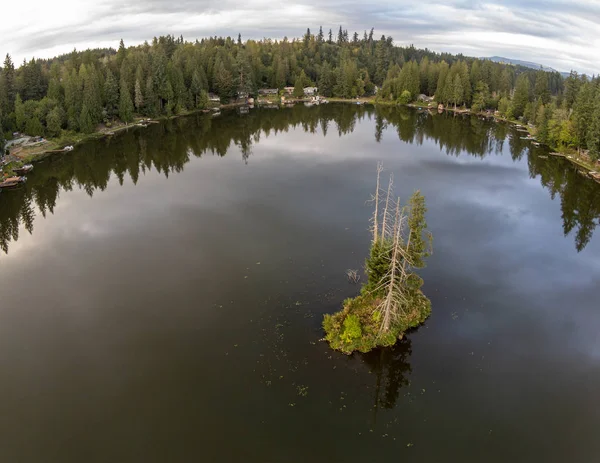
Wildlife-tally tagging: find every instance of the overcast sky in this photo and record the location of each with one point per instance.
(560, 34)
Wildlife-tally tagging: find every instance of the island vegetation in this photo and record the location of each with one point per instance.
(391, 301)
(83, 92)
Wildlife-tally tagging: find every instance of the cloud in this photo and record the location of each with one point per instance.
(559, 34)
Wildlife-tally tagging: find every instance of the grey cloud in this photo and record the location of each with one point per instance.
(423, 24)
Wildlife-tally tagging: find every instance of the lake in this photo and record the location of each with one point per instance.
(162, 293)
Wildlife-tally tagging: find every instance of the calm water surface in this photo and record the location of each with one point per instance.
(161, 295)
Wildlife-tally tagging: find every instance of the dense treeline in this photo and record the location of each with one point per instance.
(78, 91)
(168, 147)
(565, 114)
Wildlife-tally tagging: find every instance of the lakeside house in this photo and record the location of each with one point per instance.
(425, 98)
(288, 90)
(213, 97)
(268, 91)
(309, 91)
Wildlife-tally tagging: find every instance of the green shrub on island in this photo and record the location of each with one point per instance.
(391, 301)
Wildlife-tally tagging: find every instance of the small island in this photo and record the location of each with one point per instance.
(391, 301)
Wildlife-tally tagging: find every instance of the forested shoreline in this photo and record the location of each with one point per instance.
(80, 91)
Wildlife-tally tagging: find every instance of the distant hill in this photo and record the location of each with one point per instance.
(527, 64)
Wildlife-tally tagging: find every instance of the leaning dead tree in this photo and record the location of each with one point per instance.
(375, 199)
(390, 301)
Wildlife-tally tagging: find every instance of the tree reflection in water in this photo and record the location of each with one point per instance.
(168, 147)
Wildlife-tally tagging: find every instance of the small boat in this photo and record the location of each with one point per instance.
(535, 143)
(23, 169)
(543, 157)
(13, 182)
(557, 154)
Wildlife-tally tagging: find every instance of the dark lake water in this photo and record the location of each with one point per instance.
(161, 296)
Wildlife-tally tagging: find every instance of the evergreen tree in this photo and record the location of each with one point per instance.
(320, 36)
(9, 88)
(121, 54)
(55, 89)
(139, 96)
(307, 38)
(541, 90)
(73, 99)
(150, 103)
(299, 88)
(125, 104)
(91, 92)
(542, 120)
(54, 122)
(583, 110)
(572, 84)
(326, 80)
(480, 97)
(244, 82)
(223, 81)
(476, 75)
(2, 140)
(521, 96)
(111, 94)
(503, 107)
(457, 90)
(203, 100)
(463, 72)
(433, 74)
(423, 75)
(593, 134)
(196, 87)
(441, 95)
(505, 82)
(19, 113)
(86, 124)
(180, 94)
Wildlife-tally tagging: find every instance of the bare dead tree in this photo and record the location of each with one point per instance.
(385, 210)
(376, 199)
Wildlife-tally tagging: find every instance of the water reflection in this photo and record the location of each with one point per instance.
(391, 369)
(168, 147)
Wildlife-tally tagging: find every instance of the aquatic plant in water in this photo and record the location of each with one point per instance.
(391, 301)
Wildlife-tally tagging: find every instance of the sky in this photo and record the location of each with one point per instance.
(560, 34)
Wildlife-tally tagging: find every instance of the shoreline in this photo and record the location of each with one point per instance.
(570, 155)
(58, 145)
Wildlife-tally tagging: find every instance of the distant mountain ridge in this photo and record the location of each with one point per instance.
(527, 64)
